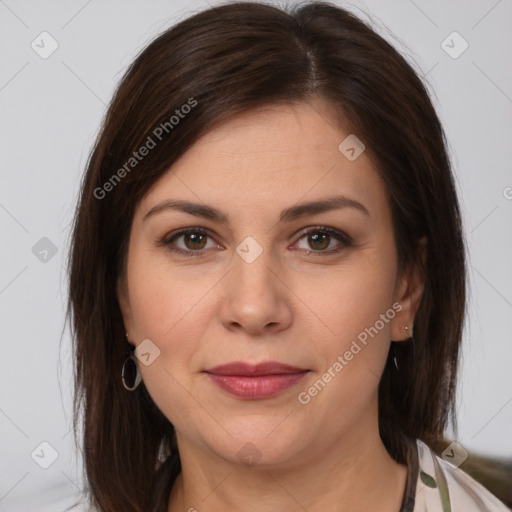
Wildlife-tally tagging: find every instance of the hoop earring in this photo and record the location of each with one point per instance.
(411, 339)
(130, 374)
(394, 353)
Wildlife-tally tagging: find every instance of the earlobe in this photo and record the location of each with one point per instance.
(409, 293)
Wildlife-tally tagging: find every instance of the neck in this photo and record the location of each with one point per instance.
(356, 471)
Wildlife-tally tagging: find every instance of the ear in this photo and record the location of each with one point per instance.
(408, 294)
(123, 299)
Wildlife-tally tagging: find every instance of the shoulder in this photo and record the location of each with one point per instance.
(444, 487)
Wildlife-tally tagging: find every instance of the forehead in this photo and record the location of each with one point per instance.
(268, 159)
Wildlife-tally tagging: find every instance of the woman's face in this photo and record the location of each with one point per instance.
(314, 288)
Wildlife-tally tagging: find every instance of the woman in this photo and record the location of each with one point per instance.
(267, 277)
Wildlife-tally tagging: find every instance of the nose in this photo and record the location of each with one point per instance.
(256, 298)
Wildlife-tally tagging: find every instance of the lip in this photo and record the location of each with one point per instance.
(255, 381)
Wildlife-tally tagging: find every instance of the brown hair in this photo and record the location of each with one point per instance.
(225, 61)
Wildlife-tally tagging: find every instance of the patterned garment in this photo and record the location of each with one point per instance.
(434, 485)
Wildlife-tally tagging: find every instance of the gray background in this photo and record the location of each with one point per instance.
(51, 110)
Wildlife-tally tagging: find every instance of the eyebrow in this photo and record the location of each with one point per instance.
(287, 215)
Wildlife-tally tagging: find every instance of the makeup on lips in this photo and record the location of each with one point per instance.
(255, 381)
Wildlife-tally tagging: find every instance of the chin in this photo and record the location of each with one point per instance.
(261, 443)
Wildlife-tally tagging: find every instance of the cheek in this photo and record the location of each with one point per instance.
(355, 306)
(163, 306)
(163, 298)
(352, 296)
(169, 311)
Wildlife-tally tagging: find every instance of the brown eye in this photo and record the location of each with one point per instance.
(318, 240)
(194, 241)
(190, 242)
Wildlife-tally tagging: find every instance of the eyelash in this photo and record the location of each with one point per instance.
(167, 240)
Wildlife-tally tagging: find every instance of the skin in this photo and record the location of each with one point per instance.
(288, 305)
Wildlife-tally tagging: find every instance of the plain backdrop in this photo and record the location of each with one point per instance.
(50, 112)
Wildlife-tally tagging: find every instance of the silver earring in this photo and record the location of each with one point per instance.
(393, 349)
(130, 374)
(394, 358)
(411, 340)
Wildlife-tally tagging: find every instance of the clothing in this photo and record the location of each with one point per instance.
(434, 485)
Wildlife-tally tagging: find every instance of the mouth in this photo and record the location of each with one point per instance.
(255, 382)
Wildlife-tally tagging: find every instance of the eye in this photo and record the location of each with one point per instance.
(194, 240)
(321, 238)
